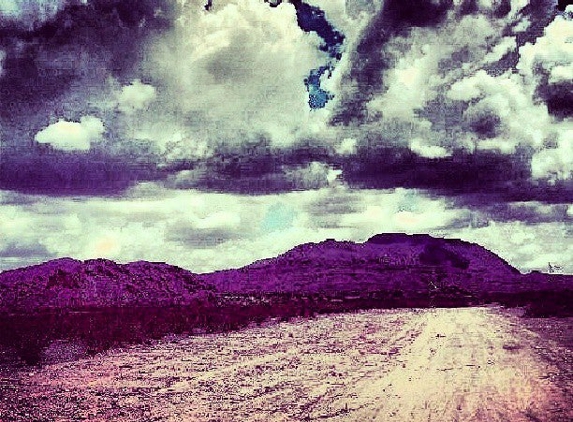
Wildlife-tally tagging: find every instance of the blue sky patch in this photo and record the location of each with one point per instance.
(313, 19)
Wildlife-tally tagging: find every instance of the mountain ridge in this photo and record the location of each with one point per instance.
(415, 265)
(72, 283)
(387, 261)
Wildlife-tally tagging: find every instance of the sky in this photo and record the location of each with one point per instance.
(209, 134)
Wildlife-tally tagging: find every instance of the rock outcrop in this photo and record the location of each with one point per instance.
(72, 284)
(412, 265)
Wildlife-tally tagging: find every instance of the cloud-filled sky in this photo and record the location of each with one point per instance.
(211, 134)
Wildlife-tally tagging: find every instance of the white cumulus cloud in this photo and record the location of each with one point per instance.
(555, 163)
(420, 147)
(72, 136)
(234, 74)
(136, 96)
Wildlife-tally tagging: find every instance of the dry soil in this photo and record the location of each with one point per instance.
(467, 364)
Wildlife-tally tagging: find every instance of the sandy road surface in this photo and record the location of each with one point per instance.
(472, 364)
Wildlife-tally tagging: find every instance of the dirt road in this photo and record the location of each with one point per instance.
(472, 364)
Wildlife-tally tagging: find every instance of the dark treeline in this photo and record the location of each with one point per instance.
(98, 329)
(29, 335)
(537, 304)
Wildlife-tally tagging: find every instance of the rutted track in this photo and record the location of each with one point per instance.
(470, 364)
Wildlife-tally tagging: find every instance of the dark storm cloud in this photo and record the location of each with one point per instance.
(369, 59)
(476, 179)
(253, 171)
(56, 65)
(473, 179)
(84, 43)
(42, 169)
(458, 174)
(24, 250)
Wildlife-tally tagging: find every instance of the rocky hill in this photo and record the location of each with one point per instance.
(72, 284)
(89, 306)
(413, 264)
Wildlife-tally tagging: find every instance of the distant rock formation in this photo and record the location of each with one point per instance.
(412, 265)
(69, 283)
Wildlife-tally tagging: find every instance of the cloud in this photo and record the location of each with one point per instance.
(69, 56)
(530, 247)
(72, 136)
(556, 163)
(346, 147)
(526, 212)
(480, 81)
(23, 250)
(505, 113)
(206, 231)
(428, 151)
(369, 59)
(136, 97)
(234, 74)
(460, 97)
(424, 63)
(400, 211)
(554, 48)
(313, 176)
(561, 73)
(216, 83)
(547, 61)
(455, 116)
(502, 113)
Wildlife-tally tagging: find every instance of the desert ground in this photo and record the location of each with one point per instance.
(465, 364)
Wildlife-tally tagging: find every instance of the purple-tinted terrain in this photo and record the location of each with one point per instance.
(70, 283)
(98, 304)
(413, 265)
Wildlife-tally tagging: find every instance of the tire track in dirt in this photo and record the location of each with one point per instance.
(466, 365)
(470, 364)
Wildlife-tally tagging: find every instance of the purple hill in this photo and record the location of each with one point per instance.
(69, 283)
(415, 265)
